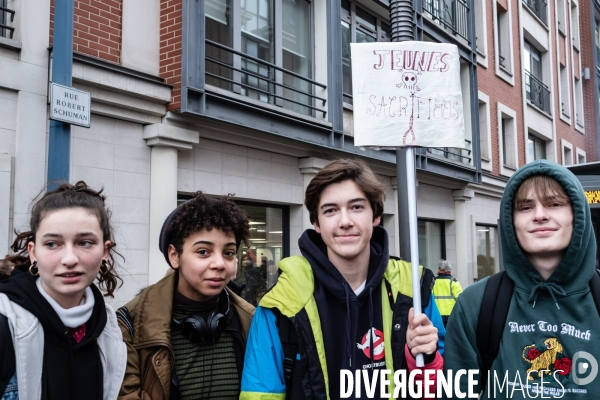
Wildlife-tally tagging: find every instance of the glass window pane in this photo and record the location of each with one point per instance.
(366, 20)
(218, 29)
(530, 149)
(257, 268)
(487, 251)
(430, 243)
(386, 33)
(364, 37)
(346, 63)
(297, 54)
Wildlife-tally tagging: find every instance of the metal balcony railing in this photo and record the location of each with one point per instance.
(597, 57)
(539, 8)
(6, 30)
(451, 153)
(451, 14)
(537, 93)
(264, 80)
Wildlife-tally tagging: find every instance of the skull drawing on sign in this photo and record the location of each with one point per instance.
(409, 81)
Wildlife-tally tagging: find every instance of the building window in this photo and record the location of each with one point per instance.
(358, 26)
(578, 99)
(536, 148)
(565, 105)
(597, 42)
(538, 93)
(539, 8)
(503, 33)
(567, 153)
(488, 260)
(575, 24)
(450, 14)
(485, 139)
(480, 27)
(580, 156)
(560, 16)
(507, 139)
(278, 69)
(432, 243)
(508, 151)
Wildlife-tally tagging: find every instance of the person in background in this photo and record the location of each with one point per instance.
(186, 334)
(66, 342)
(446, 290)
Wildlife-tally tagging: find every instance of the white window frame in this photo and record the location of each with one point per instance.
(578, 104)
(505, 112)
(507, 75)
(561, 20)
(574, 22)
(481, 32)
(580, 153)
(564, 146)
(485, 132)
(564, 93)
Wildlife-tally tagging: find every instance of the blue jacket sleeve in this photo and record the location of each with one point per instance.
(263, 374)
(435, 317)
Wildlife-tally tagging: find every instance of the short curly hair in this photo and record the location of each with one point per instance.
(204, 212)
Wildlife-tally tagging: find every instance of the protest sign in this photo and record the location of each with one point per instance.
(407, 94)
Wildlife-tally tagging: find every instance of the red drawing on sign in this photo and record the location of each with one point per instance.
(412, 140)
(374, 336)
(409, 81)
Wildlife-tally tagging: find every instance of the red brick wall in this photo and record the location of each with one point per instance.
(170, 48)
(589, 91)
(97, 28)
(498, 89)
(565, 130)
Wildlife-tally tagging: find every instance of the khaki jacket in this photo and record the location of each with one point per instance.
(150, 357)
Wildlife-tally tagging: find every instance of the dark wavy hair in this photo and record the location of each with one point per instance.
(204, 212)
(79, 195)
(338, 171)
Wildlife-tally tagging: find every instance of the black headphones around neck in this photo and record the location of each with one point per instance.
(199, 330)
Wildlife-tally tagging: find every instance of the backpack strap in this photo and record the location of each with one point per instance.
(595, 289)
(289, 342)
(492, 317)
(7, 354)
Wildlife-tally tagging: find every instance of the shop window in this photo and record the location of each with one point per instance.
(432, 243)
(536, 148)
(358, 26)
(488, 259)
(258, 262)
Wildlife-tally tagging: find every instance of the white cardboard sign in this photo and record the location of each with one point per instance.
(407, 94)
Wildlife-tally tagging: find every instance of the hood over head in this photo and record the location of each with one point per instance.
(577, 265)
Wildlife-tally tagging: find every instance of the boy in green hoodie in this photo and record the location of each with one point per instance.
(550, 337)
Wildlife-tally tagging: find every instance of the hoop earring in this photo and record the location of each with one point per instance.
(106, 268)
(31, 267)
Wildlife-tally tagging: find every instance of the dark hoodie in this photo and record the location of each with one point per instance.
(347, 319)
(71, 370)
(548, 322)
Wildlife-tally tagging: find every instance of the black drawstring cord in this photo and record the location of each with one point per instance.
(348, 324)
